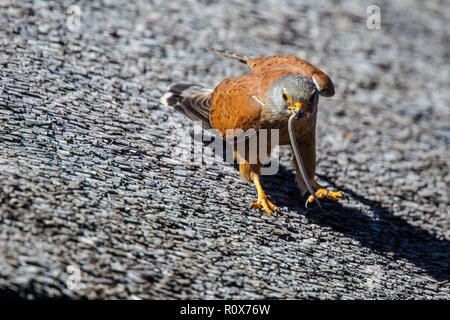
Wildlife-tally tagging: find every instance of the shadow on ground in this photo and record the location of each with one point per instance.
(384, 232)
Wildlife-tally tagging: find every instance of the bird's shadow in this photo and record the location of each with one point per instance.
(384, 232)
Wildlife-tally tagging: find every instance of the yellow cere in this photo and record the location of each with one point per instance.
(297, 105)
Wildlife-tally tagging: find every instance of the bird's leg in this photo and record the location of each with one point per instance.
(250, 172)
(268, 206)
(322, 192)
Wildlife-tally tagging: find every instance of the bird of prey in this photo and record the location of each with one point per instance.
(265, 98)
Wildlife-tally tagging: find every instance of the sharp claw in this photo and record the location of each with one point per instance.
(317, 201)
(255, 205)
(269, 208)
(311, 199)
(345, 197)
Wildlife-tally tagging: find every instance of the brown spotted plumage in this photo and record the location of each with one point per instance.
(262, 99)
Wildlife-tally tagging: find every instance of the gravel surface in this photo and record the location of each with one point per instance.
(92, 188)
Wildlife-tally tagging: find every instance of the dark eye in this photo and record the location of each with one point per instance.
(285, 97)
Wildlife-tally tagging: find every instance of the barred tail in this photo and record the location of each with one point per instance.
(229, 54)
(191, 100)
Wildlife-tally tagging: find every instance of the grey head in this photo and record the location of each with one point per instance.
(292, 93)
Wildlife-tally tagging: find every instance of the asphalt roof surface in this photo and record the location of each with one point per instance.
(96, 202)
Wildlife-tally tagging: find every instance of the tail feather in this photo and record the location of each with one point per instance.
(229, 54)
(191, 100)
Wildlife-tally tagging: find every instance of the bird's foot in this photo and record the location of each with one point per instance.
(324, 193)
(268, 206)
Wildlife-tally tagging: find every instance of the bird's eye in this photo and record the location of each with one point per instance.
(285, 97)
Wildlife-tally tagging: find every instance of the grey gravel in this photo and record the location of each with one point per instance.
(89, 180)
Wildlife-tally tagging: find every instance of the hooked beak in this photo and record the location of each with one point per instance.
(299, 110)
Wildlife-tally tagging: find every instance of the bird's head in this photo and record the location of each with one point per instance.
(292, 93)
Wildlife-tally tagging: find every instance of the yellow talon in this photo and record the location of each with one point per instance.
(268, 206)
(324, 193)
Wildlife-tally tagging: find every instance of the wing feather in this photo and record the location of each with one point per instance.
(234, 107)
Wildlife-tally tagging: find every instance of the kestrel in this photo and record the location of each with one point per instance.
(275, 88)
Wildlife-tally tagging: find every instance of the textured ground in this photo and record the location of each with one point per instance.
(90, 178)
